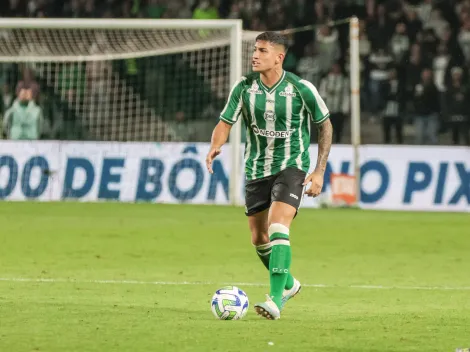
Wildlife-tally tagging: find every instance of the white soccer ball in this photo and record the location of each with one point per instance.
(229, 303)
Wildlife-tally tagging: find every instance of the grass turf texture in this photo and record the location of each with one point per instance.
(177, 243)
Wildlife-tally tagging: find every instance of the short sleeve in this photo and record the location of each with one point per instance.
(233, 107)
(313, 102)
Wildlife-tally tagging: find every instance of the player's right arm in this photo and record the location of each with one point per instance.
(219, 138)
(228, 117)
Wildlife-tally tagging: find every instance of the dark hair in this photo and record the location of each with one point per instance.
(273, 37)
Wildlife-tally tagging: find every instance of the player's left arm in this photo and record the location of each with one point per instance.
(320, 116)
(325, 136)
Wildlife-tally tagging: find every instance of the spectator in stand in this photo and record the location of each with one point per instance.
(428, 42)
(413, 23)
(89, 10)
(334, 89)
(464, 39)
(426, 109)
(392, 115)
(380, 28)
(23, 120)
(380, 63)
(364, 42)
(308, 66)
(28, 82)
(458, 107)
(400, 43)
(424, 10)
(258, 25)
(411, 73)
(206, 10)
(439, 66)
(437, 23)
(327, 47)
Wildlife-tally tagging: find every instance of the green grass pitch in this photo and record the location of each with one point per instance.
(139, 277)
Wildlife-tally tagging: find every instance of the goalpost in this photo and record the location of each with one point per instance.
(355, 103)
(136, 79)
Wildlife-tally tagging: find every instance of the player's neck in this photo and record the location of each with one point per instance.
(271, 77)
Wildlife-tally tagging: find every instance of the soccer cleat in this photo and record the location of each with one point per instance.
(288, 294)
(268, 309)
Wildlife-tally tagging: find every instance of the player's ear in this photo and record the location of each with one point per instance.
(280, 58)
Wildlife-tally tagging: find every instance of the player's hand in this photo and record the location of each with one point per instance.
(210, 157)
(316, 184)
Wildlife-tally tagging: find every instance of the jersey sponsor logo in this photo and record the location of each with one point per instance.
(270, 133)
(255, 89)
(270, 116)
(288, 92)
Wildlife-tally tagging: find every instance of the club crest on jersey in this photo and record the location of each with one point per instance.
(270, 116)
(288, 92)
(255, 89)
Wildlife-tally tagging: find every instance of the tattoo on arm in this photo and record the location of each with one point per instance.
(325, 131)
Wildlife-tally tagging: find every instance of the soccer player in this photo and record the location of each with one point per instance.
(278, 108)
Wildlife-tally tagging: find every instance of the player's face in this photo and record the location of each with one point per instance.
(266, 56)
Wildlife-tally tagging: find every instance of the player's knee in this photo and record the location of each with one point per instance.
(259, 238)
(277, 228)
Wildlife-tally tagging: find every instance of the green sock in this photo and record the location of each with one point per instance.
(280, 260)
(264, 254)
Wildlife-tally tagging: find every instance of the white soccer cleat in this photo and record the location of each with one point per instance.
(288, 294)
(268, 309)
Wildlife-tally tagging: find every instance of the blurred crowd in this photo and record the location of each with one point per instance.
(415, 56)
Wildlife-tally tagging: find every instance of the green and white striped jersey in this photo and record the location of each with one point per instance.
(278, 121)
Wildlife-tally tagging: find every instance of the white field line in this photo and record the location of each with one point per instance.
(240, 284)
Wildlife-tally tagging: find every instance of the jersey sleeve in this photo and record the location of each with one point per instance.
(233, 107)
(314, 102)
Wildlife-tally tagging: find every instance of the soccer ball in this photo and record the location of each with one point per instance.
(229, 303)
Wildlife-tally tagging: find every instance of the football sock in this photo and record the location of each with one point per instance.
(264, 253)
(279, 261)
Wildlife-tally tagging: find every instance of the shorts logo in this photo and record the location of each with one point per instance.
(288, 92)
(294, 196)
(255, 89)
(270, 133)
(270, 116)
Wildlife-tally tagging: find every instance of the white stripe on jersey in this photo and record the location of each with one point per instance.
(321, 104)
(239, 106)
(287, 143)
(248, 143)
(298, 161)
(270, 107)
(254, 87)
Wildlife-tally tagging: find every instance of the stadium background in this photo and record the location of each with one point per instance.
(408, 36)
(110, 276)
